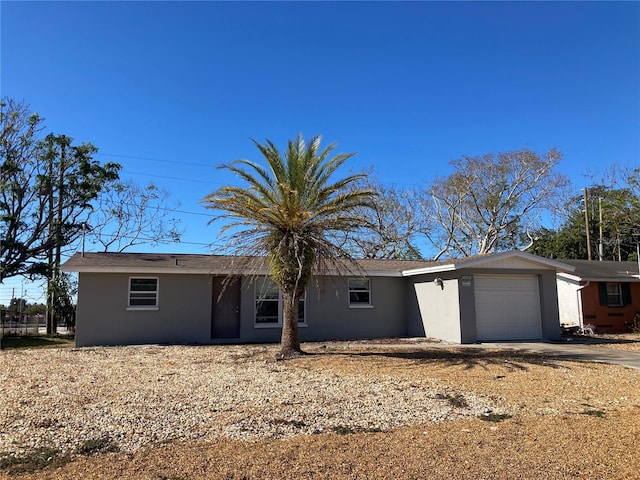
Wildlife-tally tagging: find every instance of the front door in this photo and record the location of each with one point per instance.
(225, 315)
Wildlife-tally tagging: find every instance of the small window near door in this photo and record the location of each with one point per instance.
(359, 292)
(143, 292)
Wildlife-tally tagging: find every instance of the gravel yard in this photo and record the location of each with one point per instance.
(173, 412)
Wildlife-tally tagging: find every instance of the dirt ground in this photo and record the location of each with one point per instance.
(569, 420)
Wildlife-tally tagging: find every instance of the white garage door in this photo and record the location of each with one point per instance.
(507, 307)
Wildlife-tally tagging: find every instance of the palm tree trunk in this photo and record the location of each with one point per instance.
(290, 341)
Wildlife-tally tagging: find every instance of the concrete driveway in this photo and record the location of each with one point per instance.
(579, 351)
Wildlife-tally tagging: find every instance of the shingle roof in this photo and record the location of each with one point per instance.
(224, 264)
(196, 263)
(604, 270)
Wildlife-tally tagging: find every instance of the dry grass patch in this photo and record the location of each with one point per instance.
(548, 418)
(529, 448)
(528, 381)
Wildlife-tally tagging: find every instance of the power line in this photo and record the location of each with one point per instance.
(171, 177)
(195, 164)
(153, 240)
(179, 162)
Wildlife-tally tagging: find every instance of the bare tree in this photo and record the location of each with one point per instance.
(492, 202)
(129, 214)
(392, 227)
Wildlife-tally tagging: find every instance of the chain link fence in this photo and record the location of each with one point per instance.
(16, 323)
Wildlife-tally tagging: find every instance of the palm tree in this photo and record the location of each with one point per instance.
(290, 212)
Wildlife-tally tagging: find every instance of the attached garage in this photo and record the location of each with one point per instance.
(509, 296)
(507, 307)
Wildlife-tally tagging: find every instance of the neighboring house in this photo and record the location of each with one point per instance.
(603, 294)
(201, 299)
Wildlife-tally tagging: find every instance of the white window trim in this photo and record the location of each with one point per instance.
(360, 305)
(138, 308)
(279, 324)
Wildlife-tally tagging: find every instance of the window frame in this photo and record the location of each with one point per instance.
(155, 306)
(350, 290)
(257, 298)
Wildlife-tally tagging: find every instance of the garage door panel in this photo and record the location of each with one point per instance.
(507, 307)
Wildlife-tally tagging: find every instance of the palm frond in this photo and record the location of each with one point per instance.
(290, 208)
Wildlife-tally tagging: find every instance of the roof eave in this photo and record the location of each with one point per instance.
(156, 270)
(423, 271)
(208, 271)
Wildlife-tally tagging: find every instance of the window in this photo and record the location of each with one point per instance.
(269, 304)
(143, 292)
(614, 295)
(359, 292)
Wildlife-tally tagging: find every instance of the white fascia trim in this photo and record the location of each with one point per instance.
(373, 273)
(420, 271)
(569, 276)
(621, 279)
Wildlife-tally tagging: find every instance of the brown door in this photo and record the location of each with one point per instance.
(225, 315)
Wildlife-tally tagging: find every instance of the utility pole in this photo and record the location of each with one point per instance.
(600, 247)
(586, 222)
(56, 272)
(55, 233)
(50, 313)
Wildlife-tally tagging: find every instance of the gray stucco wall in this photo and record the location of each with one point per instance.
(411, 306)
(436, 316)
(329, 317)
(439, 308)
(185, 306)
(549, 306)
(443, 313)
(183, 316)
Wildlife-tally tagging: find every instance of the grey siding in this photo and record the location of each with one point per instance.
(549, 306)
(449, 314)
(185, 306)
(328, 315)
(183, 316)
(440, 308)
(411, 306)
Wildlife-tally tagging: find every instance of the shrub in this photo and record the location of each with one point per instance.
(32, 461)
(594, 413)
(495, 417)
(97, 445)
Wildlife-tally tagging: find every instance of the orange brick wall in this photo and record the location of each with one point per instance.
(608, 319)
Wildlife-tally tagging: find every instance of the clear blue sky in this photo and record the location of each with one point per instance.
(172, 89)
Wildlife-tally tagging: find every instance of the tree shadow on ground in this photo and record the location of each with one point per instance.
(469, 359)
(11, 342)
